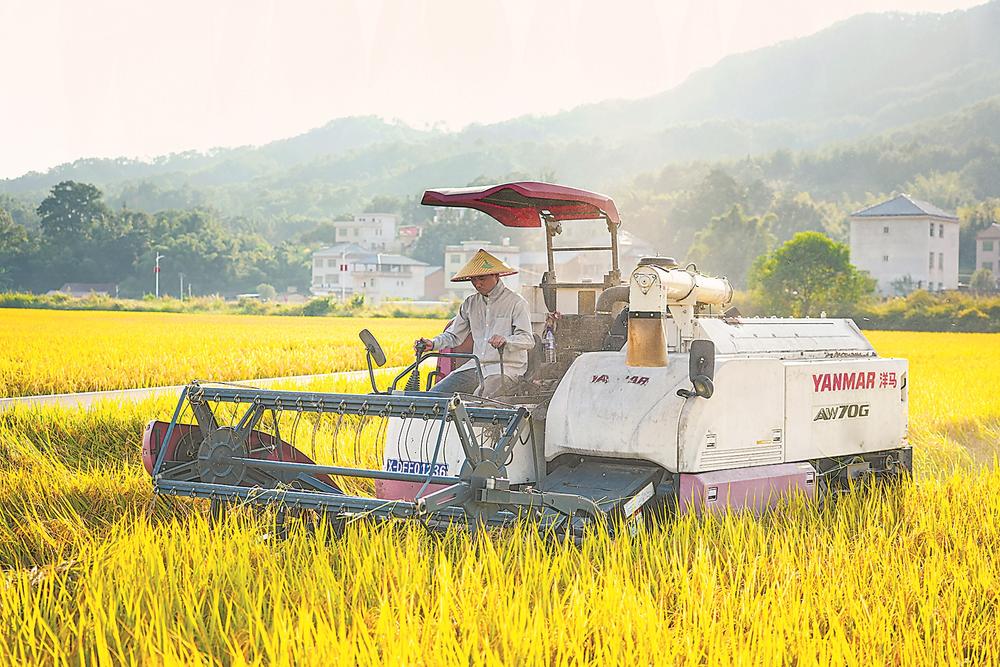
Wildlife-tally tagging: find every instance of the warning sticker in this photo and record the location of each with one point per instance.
(638, 500)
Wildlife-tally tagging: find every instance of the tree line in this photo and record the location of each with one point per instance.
(74, 236)
(726, 219)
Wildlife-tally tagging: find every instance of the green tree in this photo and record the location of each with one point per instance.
(80, 237)
(807, 275)
(983, 281)
(266, 292)
(72, 211)
(15, 252)
(729, 244)
(717, 193)
(22, 212)
(795, 213)
(903, 285)
(944, 189)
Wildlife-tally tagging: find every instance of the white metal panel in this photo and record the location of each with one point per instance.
(742, 424)
(785, 337)
(604, 408)
(409, 443)
(841, 407)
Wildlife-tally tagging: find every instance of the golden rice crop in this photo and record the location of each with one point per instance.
(45, 352)
(95, 572)
(954, 394)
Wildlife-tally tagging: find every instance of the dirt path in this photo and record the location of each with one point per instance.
(88, 398)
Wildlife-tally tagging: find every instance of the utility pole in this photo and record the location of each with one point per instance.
(182, 286)
(156, 271)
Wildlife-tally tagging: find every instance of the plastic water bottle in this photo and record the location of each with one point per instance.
(549, 345)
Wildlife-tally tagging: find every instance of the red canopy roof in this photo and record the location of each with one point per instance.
(521, 204)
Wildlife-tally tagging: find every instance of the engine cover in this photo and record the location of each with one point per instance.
(765, 411)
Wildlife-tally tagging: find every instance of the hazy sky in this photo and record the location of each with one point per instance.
(141, 78)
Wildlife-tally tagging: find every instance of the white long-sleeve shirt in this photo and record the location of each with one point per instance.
(501, 312)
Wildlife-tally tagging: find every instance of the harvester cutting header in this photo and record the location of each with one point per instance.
(630, 398)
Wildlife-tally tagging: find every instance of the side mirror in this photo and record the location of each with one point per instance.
(701, 359)
(372, 347)
(701, 369)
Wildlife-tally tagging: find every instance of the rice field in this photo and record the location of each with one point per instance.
(53, 352)
(95, 572)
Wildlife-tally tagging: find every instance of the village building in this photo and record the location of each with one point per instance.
(372, 231)
(434, 283)
(457, 256)
(988, 249)
(87, 289)
(346, 269)
(906, 244)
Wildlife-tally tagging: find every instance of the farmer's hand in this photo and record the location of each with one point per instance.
(423, 344)
(497, 341)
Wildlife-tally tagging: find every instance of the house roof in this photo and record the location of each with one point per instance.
(359, 255)
(88, 287)
(991, 232)
(338, 249)
(903, 206)
(369, 257)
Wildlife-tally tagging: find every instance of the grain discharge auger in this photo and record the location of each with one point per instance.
(657, 400)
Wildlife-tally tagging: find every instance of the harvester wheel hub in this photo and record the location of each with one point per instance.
(215, 457)
(481, 476)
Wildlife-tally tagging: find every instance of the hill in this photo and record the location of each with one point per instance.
(867, 75)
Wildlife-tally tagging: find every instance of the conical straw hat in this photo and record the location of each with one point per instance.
(482, 264)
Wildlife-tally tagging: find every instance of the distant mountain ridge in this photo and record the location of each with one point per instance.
(864, 76)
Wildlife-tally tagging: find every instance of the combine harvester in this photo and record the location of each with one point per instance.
(658, 400)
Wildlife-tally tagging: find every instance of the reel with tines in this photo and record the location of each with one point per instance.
(215, 457)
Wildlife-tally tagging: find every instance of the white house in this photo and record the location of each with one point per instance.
(457, 256)
(906, 244)
(346, 269)
(372, 231)
(988, 249)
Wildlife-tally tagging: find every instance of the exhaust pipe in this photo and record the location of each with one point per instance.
(652, 289)
(647, 340)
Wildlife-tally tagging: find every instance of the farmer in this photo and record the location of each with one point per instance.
(498, 321)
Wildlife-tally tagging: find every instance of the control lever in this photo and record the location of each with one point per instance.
(413, 382)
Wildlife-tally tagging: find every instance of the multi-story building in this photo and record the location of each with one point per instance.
(457, 256)
(346, 269)
(906, 244)
(988, 249)
(372, 231)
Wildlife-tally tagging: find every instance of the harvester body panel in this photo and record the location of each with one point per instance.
(741, 425)
(842, 407)
(604, 408)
